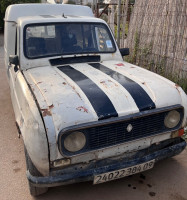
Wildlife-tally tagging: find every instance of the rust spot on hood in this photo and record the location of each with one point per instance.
(177, 87)
(104, 83)
(73, 87)
(46, 112)
(82, 108)
(113, 83)
(76, 92)
(39, 82)
(109, 85)
(51, 106)
(64, 83)
(120, 64)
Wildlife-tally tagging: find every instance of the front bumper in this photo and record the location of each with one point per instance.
(86, 172)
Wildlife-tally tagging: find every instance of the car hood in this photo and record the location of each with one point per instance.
(74, 94)
(79, 93)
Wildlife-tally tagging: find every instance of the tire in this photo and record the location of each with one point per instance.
(34, 191)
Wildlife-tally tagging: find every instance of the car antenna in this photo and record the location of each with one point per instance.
(64, 15)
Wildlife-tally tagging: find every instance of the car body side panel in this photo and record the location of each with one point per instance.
(29, 121)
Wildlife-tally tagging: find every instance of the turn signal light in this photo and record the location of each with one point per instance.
(181, 132)
(178, 133)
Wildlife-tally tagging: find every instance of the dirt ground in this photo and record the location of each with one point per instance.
(166, 181)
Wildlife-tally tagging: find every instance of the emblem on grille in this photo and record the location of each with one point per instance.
(129, 128)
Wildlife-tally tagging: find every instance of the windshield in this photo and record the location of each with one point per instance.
(67, 38)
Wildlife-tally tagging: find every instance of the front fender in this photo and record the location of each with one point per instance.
(31, 124)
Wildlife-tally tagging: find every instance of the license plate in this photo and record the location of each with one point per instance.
(101, 178)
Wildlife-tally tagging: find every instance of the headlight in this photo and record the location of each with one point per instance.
(75, 141)
(172, 119)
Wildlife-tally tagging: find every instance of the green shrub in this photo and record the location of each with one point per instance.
(185, 133)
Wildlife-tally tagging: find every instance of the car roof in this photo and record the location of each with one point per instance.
(57, 19)
(14, 12)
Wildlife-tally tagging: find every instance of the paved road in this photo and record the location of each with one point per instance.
(166, 181)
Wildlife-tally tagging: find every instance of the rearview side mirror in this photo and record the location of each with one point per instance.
(124, 51)
(13, 59)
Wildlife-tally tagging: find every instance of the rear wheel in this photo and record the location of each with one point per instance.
(34, 191)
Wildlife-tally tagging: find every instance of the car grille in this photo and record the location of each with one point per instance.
(116, 133)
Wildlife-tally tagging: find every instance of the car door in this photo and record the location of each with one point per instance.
(13, 71)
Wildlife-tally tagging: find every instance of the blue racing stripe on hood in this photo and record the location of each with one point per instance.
(99, 100)
(141, 98)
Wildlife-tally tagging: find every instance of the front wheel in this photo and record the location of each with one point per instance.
(34, 191)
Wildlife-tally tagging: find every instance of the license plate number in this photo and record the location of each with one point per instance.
(101, 178)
